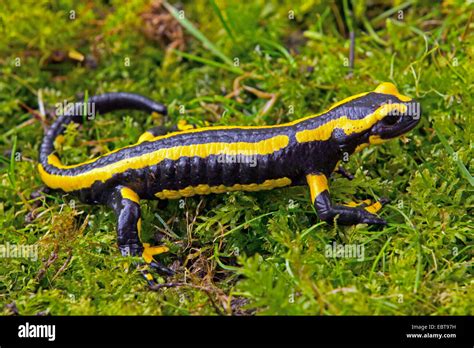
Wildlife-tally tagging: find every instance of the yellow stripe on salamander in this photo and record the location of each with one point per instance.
(86, 179)
(206, 189)
(324, 131)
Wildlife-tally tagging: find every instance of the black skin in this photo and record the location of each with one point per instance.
(296, 161)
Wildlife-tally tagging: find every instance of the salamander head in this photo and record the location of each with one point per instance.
(396, 118)
(375, 117)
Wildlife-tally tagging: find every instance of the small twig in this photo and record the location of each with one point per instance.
(53, 257)
(258, 93)
(63, 267)
(264, 95)
(189, 226)
(34, 113)
(237, 89)
(351, 52)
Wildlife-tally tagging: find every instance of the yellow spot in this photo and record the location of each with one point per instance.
(149, 251)
(129, 194)
(317, 183)
(374, 207)
(183, 125)
(360, 147)
(75, 55)
(376, 140)
(148, 276)
(147, 136)
(157, 117)
(86, 179)
(390, 88)
(60, 139)
(206, 189)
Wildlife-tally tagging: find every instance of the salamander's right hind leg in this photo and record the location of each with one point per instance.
(125, 203)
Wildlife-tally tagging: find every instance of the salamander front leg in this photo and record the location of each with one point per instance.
(344, 215)
(369, 206)
(125, 203)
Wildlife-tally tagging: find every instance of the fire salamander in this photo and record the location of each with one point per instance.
(199, 161)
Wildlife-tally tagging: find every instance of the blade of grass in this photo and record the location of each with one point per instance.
(280, 49)
(372, 32)
(348, 15)
(196, 33)
(213, 99)
(11, 167)
(167, 228)
(219, 262)
(209, 62)
(4, 160)
(379, 256)
(391, 11)
(221, 18)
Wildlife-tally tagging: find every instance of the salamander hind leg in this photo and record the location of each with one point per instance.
(125, 202)
(344, 215)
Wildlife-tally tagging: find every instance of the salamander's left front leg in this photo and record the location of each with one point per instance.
(125, 203)
(344, 215)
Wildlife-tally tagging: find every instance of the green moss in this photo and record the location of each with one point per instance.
(244, 253)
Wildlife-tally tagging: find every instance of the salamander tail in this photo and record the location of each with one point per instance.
(99, 104)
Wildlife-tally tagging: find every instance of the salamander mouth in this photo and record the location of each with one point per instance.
(404, 125)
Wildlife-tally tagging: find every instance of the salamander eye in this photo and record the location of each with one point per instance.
(390, 120)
